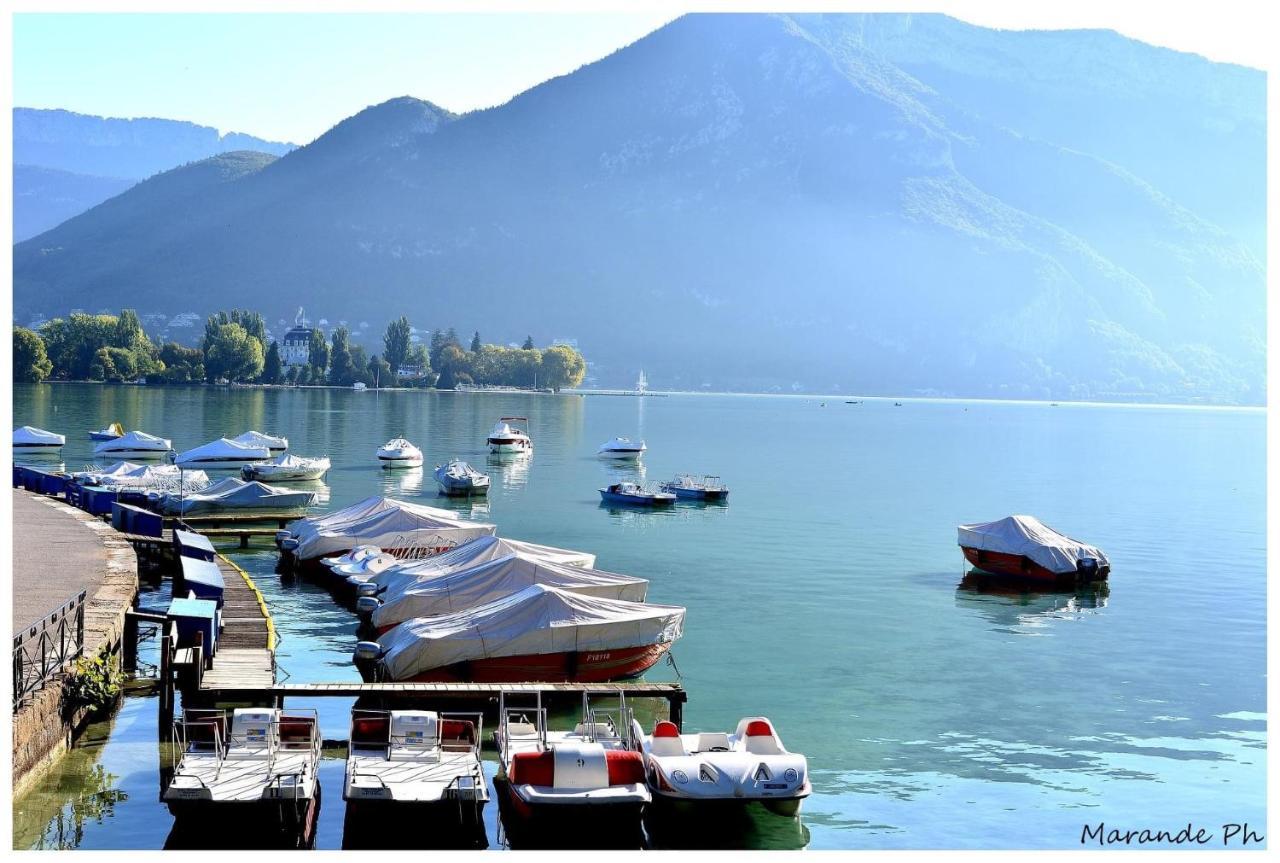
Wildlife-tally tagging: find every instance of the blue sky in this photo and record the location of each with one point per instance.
(291, 77)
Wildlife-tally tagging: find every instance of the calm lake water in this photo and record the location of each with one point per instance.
(825, 595)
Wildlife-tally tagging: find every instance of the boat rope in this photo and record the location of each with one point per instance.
(671, 660)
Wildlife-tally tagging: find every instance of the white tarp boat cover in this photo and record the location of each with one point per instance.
(32, 436)
(346, 515)
(479, 551)
(135, 441)
(473, 587)
(298, 462)
(537, 620)
(388, 524)
(459, 470)
(126, 474)
(223, 451)
(1025, 535)
(231, 493)
(258, 439)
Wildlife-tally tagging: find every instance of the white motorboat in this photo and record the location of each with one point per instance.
(748, 766)
(474, 553)
(233, 495)
(222, 454)
(398, 452)
(259, 771)
(591, 776)
(472, 587)
(540, 634)
(273, 443)
(460, 478)
(506, 438)
(134, 445)
(110, 432)
(389, 524)
(355, 555)
(621, 448)
(294, 468)
(407, 764)
(30, 438)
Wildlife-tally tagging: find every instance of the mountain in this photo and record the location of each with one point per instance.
(856, 203)
(65, 163)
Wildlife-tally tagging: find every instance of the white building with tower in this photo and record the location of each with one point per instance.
(295, 347)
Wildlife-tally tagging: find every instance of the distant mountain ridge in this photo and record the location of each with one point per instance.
(857, 203)
(65, 163)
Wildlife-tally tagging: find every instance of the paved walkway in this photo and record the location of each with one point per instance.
(55, 556)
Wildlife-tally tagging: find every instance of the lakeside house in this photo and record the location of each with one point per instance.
(295, 347)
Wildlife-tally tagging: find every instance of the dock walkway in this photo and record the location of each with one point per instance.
(245, 657)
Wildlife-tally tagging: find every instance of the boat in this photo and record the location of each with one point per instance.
(111, 432)
(398, 452)
(540, 634)
(257, 771)
(257, 439)
(134, 445)
(144, 477)
(588, 779)
(222, 454)
(693, 771)
(475, 586)
(633, 494)
(231, 495)
(686, 487)
(621, 448)
(466, 556)
(355, 555)
(31, 438)
(359, 386)
(414, 764)
(294, 468)
(459, 478)
(384, 522)
(506, 438)
(1021, 546)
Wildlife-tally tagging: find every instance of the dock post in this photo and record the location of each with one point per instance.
(165, 702)
(244, 540)
(675, 706)
(129, 661)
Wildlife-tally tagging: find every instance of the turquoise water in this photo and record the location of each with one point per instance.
(827, 594)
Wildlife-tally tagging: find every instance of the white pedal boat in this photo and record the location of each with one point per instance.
(748, 766)
(590, 777)
(259, 771)
(415, 763)
(293, 468)
(398, 452)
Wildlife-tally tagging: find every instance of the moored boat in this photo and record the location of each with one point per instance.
(255, 769)
(459, 478)
(634, 494)
(134, 445)
(284, 467)
(273, 443)
(540, 634)
(231, 495)
(143, 477)
(397, 453)
(621, 448)
(222, 454)
(1021, 546)
(30, 438)
(687, 487)
(506, 438)
(110, 432)
(413, 764)
(391, 525)
(693, 771)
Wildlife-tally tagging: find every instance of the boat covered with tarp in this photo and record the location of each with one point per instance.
(1022, 546)
(108, 432)
(146, 477)
(459, 478)
(135, 444)
(30, 437)
(390, 524)
(231, 495)
(294, 468)
(222, 453)
(473, 587)
(257, 439)
(540, 634)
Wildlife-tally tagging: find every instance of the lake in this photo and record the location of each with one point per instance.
(826, 595)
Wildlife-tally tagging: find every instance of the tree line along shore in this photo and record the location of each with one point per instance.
(235, 349)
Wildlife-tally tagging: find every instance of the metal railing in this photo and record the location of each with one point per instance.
(43, 649)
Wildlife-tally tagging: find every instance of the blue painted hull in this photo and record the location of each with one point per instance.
(633, 499)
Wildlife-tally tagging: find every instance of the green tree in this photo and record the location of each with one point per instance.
(454, 368)
(30, 360)
(181, 364)
(117, 364)
(475, 343)
(528, 343)
(562, 367)
(73, 344)
(271, 368)
(395, 343)
(317, 357)
(291, 377)
(360, 366)
(341, 370)
(233, 354)
(129, 332)
(380, 371)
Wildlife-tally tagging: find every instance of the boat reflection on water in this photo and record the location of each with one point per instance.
(519, 834)
(415, 832)
(512, 468)
(1012, 605)
(402, 482)
(729, 827)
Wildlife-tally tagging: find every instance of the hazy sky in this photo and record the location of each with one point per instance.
(291, 77)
